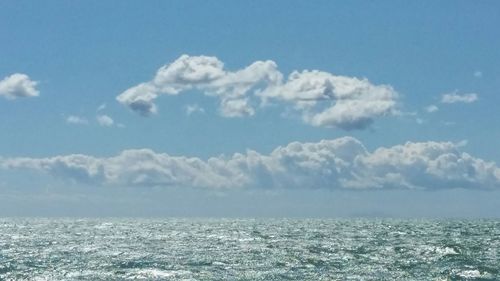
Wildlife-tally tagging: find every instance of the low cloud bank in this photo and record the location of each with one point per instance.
(342, 163)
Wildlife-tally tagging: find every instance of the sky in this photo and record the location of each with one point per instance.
(250, 109)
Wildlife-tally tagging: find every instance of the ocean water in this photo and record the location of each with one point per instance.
(249, 249)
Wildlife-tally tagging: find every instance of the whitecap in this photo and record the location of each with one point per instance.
(444, 251)
(156, 273)
(470, 273)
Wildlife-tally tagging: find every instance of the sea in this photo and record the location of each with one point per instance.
(249, 249)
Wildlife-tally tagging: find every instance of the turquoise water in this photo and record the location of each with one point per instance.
(267, 249)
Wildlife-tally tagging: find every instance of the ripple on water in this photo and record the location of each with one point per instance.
(272, 249)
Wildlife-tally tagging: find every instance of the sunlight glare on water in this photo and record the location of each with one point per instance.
(249, 249)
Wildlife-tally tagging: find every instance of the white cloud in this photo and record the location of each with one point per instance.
(323, 99)
(327, 100)
(105, 120)
(194, 108)
(18, 85)
(454, 98)
(205, 74)
(431, 108)
(478, 74)
(72, 119)
(431, 165)
(342, 163)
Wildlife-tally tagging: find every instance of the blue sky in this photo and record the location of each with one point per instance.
(432, 79)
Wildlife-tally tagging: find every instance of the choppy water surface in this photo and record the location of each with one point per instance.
(225, 249)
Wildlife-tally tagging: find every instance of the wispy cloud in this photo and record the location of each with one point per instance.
(478, 74)
(455, 98)
(323, 99)
(194, 108)
(342, 163)
(431, 108)
(18, 85)
(105, 120)
(76, 120)
(101, 107)
(448, 123)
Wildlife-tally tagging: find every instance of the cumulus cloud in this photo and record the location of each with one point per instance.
(426, 165)
(76, 120)
(342, 163)
(18, 85)
(105, 120)
(454, 98)
(327, 100)
(323, 99)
